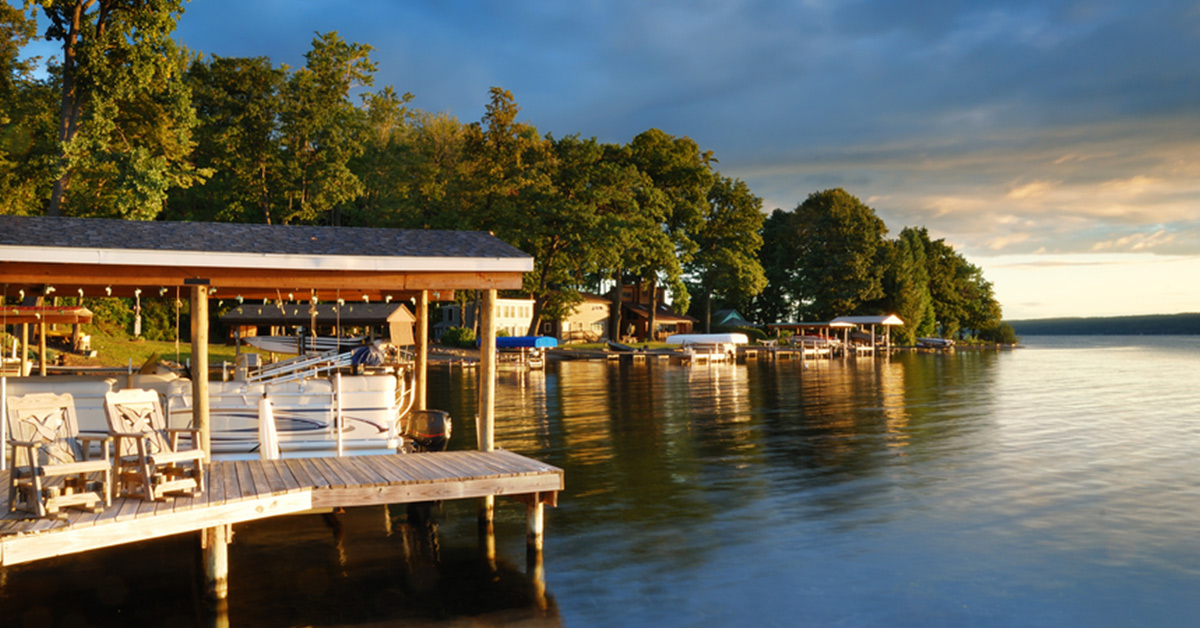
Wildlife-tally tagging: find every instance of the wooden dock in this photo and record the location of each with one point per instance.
(242, 491)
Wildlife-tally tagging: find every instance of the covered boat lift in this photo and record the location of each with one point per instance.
(90, 257)
(887, 321)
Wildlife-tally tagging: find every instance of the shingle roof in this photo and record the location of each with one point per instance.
(96, 233)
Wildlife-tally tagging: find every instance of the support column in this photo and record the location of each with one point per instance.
(24, 349)
(42, 348)
(535, 524)
(215, 543)
(200, 366)
(421, 374)
(487, 371)
(485, 424)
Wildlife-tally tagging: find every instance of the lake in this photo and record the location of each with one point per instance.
(1052, 485)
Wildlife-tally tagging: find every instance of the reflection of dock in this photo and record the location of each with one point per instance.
(242, 491)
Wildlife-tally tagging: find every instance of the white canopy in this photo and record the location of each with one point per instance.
(883, 319)
(696, 339)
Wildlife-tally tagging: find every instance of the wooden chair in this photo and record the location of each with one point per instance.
(51, 465)
(149, 464)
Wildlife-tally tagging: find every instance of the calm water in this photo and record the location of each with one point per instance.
(1055, 485)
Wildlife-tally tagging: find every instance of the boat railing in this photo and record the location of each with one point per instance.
(301, 367)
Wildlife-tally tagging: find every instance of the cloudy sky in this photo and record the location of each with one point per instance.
(1055, 144)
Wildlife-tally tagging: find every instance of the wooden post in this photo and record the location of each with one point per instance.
(42, 348)
(421, 375)
(24, 350)
(535, 524)
(200, 366)
(487, 372)
(215, 543)
(485, 425)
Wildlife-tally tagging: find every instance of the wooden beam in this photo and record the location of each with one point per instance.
(487, 371)
(421, 339)
(200, 400)
(70, 277)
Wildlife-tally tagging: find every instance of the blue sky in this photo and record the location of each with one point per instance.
(1055, 144)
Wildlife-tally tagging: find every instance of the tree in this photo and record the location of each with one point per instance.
(838, 241)
(906, 286)
(380, 167)
(125, 118)
(572, 226)
(322, 131)
(237, 105)
(726, 262)
(779, 300)
(27, 149)
(681, 177)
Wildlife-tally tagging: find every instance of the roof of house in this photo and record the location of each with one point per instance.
(326, 314)
(730, 317)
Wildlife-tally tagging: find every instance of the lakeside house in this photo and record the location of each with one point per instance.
(513, 316)
(586, 322)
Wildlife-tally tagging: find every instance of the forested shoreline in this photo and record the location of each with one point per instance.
(129, 125)
(1147, 325)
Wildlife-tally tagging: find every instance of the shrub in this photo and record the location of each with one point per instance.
(463, 337)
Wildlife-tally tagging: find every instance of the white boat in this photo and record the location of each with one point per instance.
(699, 348)
(310, 398)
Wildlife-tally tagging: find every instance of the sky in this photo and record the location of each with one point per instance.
(1054, 144)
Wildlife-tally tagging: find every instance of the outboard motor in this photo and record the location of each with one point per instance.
(428, 430)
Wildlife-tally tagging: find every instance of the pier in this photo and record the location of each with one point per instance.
(241, 491)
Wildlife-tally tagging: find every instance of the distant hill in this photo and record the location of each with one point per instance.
(1155, 324)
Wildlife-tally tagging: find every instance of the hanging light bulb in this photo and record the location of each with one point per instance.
(239, 299)
(162, 291)
(108, 291)
(49, 289)
(366, 298)
(387, 299)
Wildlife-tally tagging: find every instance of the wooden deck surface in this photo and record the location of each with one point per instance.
(247, 490)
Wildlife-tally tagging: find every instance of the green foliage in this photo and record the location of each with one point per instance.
(126, 119)
(463, 337)
(726, 263)
(906, 287)
(828, 256)
(237, 104)
(1001, 332)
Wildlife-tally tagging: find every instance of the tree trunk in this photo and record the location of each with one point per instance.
(69, 105)
(653, 320)
(614, 310)
(707, 312)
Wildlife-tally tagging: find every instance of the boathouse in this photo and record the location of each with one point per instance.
(44, 256)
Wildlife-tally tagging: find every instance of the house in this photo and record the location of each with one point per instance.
(635, 315)
(587, 321)
(513, 317)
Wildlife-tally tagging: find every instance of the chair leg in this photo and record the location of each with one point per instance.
(38, 498)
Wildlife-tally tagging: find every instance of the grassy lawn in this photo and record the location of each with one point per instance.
(115, 351)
